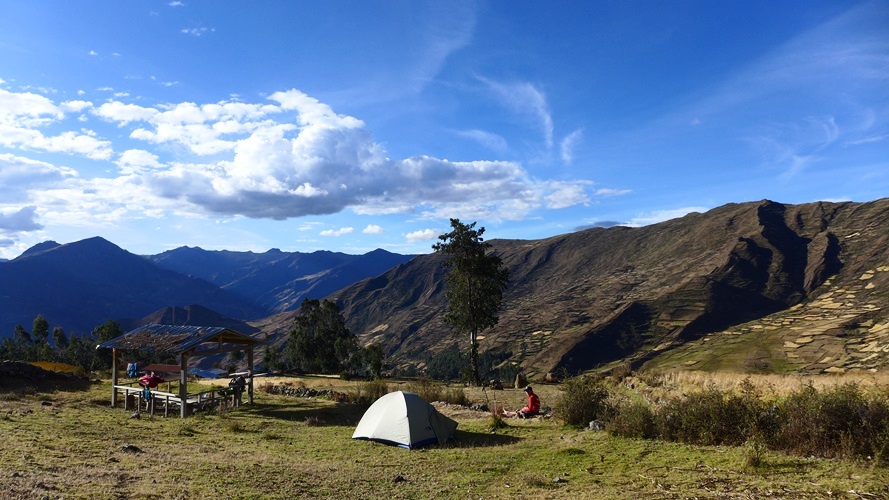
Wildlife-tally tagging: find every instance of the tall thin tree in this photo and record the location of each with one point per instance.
(476, 282)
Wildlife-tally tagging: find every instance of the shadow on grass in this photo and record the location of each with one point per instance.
(466, 439)
(328, 415)
(14, 387)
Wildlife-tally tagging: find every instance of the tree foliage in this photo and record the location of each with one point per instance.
(320, 342)
(79, 351)
(476, 282)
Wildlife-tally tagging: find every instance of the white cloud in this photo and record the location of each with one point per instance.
(489, 140)
(337, 232)
(609, 192)
(526, 100)
(422, 235)
(22, 115)
(19, 175)
(134, 161)
(75, 106)
(793, 147)
(291, 157)
(373, 229)
(176, 3)
(93, 53)
(567, 195)
(197, 31)
(664, 215)
(568, 144)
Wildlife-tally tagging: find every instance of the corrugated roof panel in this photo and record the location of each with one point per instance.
(175, 338)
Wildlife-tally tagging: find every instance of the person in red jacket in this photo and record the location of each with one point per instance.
(533, 407)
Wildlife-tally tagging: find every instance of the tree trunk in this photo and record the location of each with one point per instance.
(473, 360)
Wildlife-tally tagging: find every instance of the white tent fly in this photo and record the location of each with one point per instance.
(404, 419)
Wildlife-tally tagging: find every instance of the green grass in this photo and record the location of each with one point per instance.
(72, 449)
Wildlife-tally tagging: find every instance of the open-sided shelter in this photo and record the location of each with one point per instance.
(404, 419)
(185, 342)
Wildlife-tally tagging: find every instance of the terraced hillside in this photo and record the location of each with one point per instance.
(842, 328)
(753, 286)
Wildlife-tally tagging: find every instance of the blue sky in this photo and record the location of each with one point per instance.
(350, 126)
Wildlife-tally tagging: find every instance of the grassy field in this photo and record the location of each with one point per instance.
(70, 444)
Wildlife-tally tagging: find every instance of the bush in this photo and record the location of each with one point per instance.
(584, 400)
(367, 392)
(711, 417)
(375, 389)
(842, 421)
(633, 419)
(454, 396)
(426, 389)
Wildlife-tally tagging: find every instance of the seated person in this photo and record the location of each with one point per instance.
(532, 409)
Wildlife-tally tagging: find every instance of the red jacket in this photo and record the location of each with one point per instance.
(533, 404)
(151, 380)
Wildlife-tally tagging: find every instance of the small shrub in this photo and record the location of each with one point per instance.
(375, 389)
(651, 379)
(633, 419)
(620, 372)
(497, 422)
(186, 430)
(534, 480)
(234, 426)
(426, 389)
(584, 400)
(454, 396)
(754, 453)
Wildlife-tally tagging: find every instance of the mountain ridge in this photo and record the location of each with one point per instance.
(620, 294)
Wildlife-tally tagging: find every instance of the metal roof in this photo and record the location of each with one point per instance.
(176, 339)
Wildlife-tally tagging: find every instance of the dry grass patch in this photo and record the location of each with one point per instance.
(75, 450)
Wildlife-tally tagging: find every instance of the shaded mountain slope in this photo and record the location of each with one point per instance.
(589, 298)
(80, 285)
(274, 280)
(191, 315)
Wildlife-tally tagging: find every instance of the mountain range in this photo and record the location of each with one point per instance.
(758, 286)
(81, 285)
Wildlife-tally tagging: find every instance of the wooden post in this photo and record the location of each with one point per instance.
(183, 385)
(250, 375)
(113, 377)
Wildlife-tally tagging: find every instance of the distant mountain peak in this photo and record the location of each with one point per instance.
(39, 248)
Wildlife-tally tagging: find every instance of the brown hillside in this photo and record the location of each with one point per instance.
(594, 297)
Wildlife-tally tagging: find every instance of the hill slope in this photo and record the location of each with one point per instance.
(594, 297)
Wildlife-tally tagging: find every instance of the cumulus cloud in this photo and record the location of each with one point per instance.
(20, 220)
(422, 235)
(19, 175)
(291, 156)
(337, 232)
(134, 161)
(373, 229)
(23, 115)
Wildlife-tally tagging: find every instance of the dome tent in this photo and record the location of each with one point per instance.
(404, 419)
